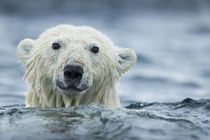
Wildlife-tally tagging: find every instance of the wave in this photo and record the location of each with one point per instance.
(186, 103)
(188, 119)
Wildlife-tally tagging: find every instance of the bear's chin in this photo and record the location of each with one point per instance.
(71, 90)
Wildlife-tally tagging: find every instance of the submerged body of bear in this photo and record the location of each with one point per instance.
(69, 65)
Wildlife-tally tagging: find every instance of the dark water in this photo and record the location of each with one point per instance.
(188, 119)
(172, 42)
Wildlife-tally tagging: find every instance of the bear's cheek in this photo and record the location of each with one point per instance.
(50, 69)
(53, 58)
(98, 75)
(88, 73)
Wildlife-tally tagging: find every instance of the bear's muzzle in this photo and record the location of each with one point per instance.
(73, 81)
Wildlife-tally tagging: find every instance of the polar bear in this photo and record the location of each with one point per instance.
(72, 65)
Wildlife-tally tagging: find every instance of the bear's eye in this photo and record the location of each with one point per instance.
(56, 46)
(94, 49)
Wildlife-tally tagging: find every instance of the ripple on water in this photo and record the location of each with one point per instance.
(164, 80)
(143, 59)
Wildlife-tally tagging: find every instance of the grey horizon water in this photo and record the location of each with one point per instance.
(172, 42)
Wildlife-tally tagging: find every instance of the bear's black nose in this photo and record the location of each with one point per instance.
(73, 73)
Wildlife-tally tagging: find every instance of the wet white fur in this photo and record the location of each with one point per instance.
(43, 65)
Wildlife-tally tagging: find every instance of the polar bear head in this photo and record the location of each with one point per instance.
(73, 60)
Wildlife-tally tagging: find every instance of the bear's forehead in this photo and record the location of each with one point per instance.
(76, 37)
(77, 34)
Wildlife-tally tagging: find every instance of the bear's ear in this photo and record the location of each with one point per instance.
(24, 50)
(126, 59)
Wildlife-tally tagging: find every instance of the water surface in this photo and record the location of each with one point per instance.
(188, 119)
